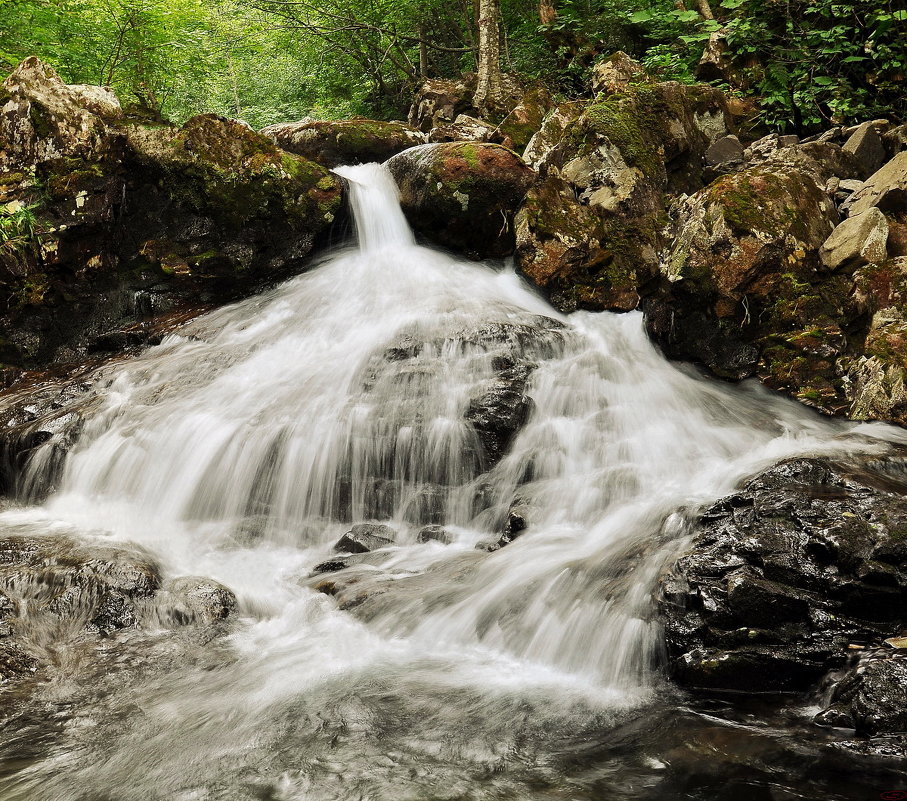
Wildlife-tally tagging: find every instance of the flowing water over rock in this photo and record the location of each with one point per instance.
(397, 385)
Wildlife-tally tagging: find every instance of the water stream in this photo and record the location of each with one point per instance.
(246, 443)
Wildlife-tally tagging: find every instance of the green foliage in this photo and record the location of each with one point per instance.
(817, 62)
(813, 62)
(18, 228)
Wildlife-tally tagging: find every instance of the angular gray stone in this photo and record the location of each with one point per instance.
(866, 145)
(724, 151)
(856, 241)
(886, 188)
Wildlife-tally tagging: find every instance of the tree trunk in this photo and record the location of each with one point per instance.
(703, 7)
(423, 53)
(490, 90)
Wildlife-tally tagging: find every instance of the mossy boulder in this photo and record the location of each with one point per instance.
(107, 221)
(875, 377)
(223, 169)
(580, 257)
(660, 129)
(336, 142)
(463, 195)
(41, 118)
(525, 120)
(742, 286)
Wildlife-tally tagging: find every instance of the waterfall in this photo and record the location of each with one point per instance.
(246, 443)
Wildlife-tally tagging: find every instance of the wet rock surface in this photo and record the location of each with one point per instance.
(365, 537)
(871, 696)
(60, 595)
(783, 576)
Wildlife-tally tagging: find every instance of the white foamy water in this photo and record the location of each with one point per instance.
(242, 447)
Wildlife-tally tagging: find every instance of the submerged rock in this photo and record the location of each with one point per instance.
(198, 599)
(463, 195)
(332, 143)
(782, 576)
(434, 534)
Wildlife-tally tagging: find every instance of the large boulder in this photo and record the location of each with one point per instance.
(463, 195)
(336, 142)
(43, 119)
(590, 235)
(861, 239)
(783, 576)
(115, 222)
(743, 295)
(579, 257)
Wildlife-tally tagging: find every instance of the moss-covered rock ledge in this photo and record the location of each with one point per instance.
(463, 195)
(106, 222)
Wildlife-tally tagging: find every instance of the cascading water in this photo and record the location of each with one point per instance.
(244, 445)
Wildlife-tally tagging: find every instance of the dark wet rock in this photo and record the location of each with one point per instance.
(501, 411)
(518, 518)
(94, 587)
(872, 695)
(434, 534)
(365, 537)
(59, 596)
(196, 598)
(335, 142)
(118, 222)
(463, 195)
(782, 576)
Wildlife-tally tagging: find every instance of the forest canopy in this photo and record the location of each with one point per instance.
(811, 62)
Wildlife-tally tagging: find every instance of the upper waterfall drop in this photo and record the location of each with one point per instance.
(374, 198)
